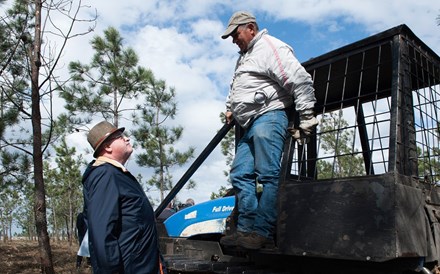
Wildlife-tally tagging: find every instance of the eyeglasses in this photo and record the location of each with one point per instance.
(116, 136)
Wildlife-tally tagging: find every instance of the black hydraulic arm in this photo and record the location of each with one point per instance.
(202, 157)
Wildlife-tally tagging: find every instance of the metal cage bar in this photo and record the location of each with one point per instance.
(367, 100)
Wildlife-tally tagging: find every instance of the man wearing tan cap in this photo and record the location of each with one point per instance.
(267, 80)
(121, 224)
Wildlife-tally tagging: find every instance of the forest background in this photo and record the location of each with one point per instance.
(160, 70)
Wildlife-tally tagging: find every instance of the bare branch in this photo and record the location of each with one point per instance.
(18, 146)
(68, 36)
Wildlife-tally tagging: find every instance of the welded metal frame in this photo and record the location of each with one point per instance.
(381, 218)
(369, 193)
(371, 81)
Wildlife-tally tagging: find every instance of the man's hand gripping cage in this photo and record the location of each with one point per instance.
(307, 126)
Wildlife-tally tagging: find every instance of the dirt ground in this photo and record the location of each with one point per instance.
(21, 256)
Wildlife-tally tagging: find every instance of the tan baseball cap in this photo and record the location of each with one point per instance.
(237, 19)
(101, 132)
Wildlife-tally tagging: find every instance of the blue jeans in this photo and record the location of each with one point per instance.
(258, 158)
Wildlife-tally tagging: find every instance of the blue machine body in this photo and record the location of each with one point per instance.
(204, 218)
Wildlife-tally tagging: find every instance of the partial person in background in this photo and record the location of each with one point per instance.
(81, 228)
(190, 202)
(267, 80)
(121, 222)
(167, 212)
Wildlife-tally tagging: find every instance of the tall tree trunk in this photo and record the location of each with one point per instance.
(115, 108)
(3, 229)
(56, 231)
(40, 194)
(10, 228)
(71, 216)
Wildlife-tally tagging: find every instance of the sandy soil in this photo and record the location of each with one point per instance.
(21, 256)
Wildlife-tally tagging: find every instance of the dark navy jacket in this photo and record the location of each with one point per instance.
(121, 222)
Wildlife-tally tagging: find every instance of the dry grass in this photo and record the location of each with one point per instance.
(21, 256)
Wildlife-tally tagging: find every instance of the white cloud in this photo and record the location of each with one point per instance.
(373, 15)
(180, 42)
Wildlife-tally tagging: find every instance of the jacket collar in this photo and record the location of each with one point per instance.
(102, 160)
(255, 39)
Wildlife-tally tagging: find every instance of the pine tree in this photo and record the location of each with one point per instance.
(228, 150)
(105, 87)
(157, 139)
(64, 189)
(15, 172)
(27, 83)
(338, 142)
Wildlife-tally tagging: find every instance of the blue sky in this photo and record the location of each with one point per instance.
(180, 41)
(315, 30)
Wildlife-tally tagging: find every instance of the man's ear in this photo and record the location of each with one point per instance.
(252, 28)
(106, 148)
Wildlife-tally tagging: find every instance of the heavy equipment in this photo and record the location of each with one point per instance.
(363, 195)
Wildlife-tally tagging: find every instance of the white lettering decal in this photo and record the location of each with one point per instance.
(191, 215)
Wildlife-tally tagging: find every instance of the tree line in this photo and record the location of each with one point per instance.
(40, 174)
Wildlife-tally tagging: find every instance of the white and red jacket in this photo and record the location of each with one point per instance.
(267, 77)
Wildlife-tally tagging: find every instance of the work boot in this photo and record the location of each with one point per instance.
(231, 240)
(255, 241)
